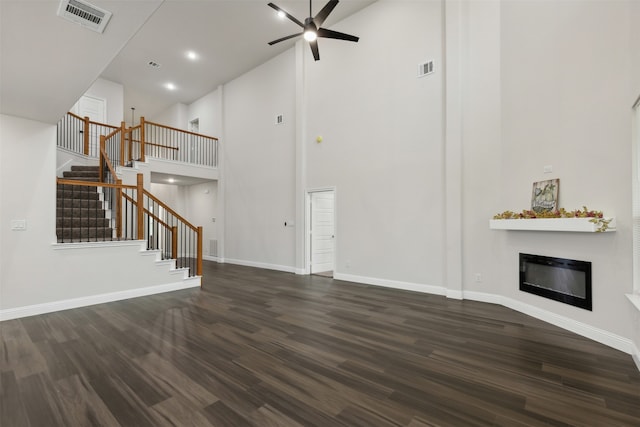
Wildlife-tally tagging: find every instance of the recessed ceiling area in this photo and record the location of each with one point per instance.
(204, 44)
(172, 179)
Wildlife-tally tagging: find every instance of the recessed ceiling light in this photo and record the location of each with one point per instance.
(281, 14)
(192, 55)
(171, 180)
(170, 86)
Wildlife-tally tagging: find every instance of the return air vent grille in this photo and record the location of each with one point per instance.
(425, 68)
(85, 14)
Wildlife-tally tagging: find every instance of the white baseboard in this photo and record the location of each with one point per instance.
(599, 335)
(285, 268)
(636, 356)
(33, 310)
(212, 258)
(407, 286)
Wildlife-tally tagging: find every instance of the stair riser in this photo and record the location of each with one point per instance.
(82, 222)
(84, 195)
(79, 233)
(79, 213)
(77, 188)
(79, 203)
(95, 169)
(80, 174)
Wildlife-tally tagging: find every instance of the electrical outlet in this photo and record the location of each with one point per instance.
(478, 278)
(347, 264)
(547, 169)
(18, 224)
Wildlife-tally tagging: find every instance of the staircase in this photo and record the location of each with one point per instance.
(80, 211)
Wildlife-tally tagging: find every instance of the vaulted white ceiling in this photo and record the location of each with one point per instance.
(48, 63)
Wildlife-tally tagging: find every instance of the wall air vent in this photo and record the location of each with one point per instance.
(85, 14)
(425, 68)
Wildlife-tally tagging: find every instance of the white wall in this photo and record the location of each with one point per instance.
(173, 195)
(634, 18)
(259, 164)
(113, 93)
(175, 116)
(202, 209)
(383, 141)
(208, 111)
(565, 98)
(197, 203)
(481, 134)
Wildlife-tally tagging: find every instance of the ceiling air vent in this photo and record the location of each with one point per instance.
(85, 14)
(425, 68)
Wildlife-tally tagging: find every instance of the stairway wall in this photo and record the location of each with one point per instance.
(32, 271)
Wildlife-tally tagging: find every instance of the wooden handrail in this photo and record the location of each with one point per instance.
(92, 122)
(171, 211)
(93, 184)
(181, 130)
(156, 145)
(103, 153)
(147, 211)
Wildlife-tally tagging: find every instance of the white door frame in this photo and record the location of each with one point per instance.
(307, 226)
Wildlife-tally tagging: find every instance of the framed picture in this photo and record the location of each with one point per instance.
(544, 197)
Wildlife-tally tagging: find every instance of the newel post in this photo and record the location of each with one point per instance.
(123, 133)
(174, 242)
(199, 260)
(85, 135)
(103, 144)
(140, 206)
(119, 209)
(142, 139)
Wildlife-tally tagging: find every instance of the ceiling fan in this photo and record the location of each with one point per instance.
(312, 27)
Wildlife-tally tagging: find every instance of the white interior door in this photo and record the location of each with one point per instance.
(96, 110)
(322, 231)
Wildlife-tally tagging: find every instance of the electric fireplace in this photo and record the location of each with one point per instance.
(564, 280)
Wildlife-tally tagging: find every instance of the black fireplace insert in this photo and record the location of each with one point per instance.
(564, 280)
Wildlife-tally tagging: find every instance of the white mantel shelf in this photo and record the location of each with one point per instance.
(550, 224)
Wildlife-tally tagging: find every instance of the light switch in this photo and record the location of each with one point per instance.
(18, 224)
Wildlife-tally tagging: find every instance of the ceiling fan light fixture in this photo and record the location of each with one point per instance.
(312, 28)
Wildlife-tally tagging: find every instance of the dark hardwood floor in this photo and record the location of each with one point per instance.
(264, 348)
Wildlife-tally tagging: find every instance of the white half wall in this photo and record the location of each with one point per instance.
(32, 271)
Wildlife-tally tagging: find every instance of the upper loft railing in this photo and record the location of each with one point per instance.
(81, 135)
(147, 139)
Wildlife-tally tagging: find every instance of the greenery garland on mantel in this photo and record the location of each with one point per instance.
(597, 217)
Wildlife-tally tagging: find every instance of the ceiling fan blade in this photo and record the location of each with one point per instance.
(285, 38)
(287, 14)
(330, 34)
(326, 10)
(314, 49)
